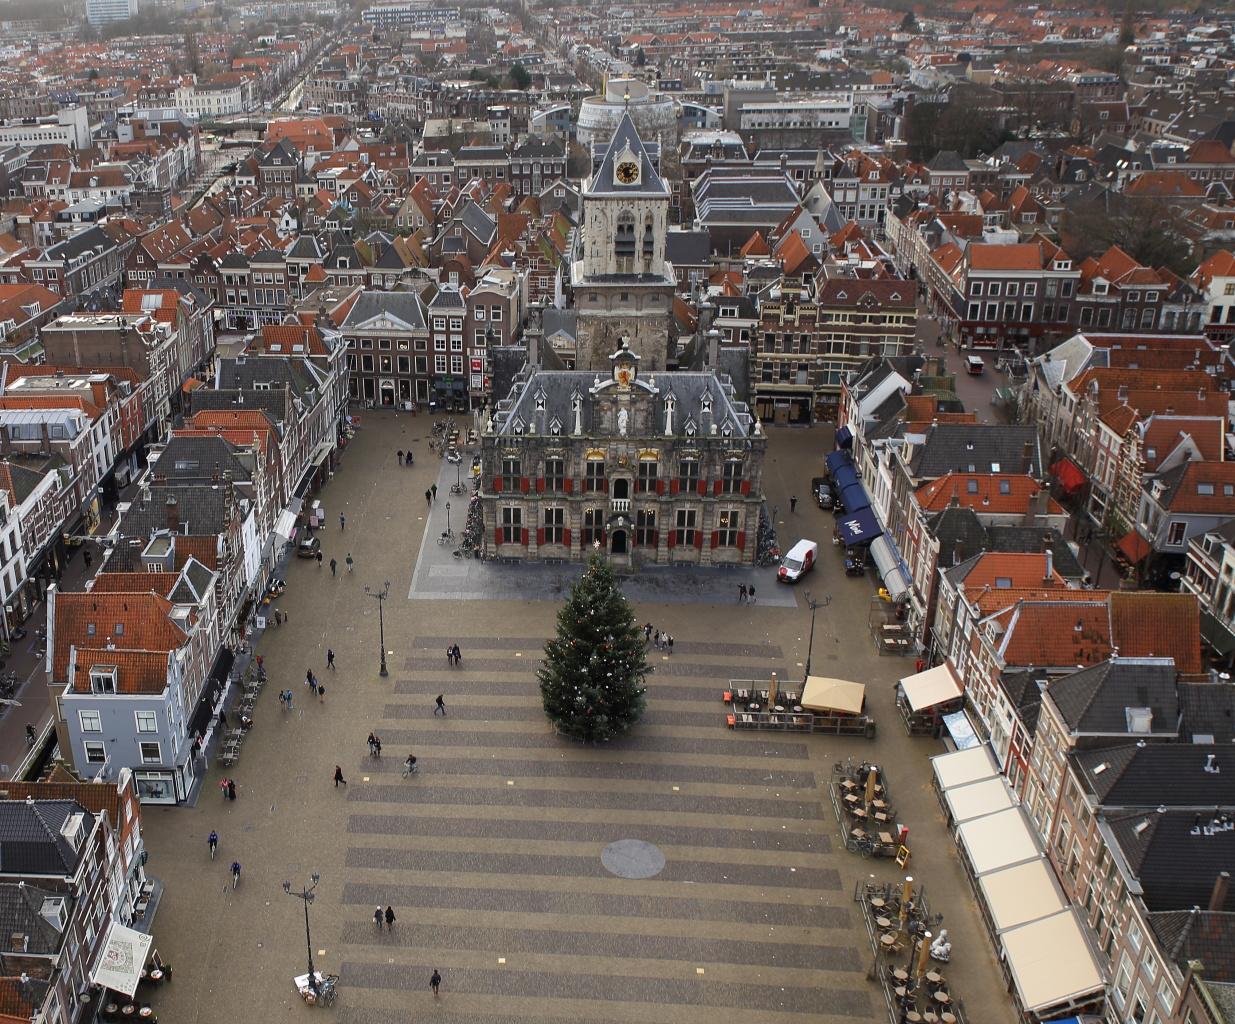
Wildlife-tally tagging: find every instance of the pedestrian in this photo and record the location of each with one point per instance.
(372, 740)
(289, 700)
(439, 705)
(30, 737)
(647, 632)
(434, 490)
(435, 979)
(350, 564)
(338, 776)
(231, 789)
(793, 503)
(377, 918)
(750, 593)
(377, 746)
(318, 556)
(308, 677)
(399, 453)
(278, 617)
(741, 593)
(450, 655)
(919, 665)
(390, 919)
(670, 641)
(222, 719)
(321, 694)
(282, 698)
(342, 522)
(458, 655)
(656, 640)
(87, 558)
(313, 684)
(330, 659)
(428, 496)
(333, 566)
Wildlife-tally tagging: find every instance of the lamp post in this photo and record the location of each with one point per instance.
(381, 596)
(813, 605)
(448, 517)
(306, 894)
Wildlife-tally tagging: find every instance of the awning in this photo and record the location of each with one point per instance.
(822, 694)
(854, 497)
(844, 476)
(1134, 547)
(998, 840)
(961, 730)
(285, 528)
(837, 459)
(930, 688)
(204, 711)
(321, 452)
(891, 569)
(1051, 964)
(962, 767)
(121, 960)
(977, 799)
(857, 527)
(1016, 896)
(844, 438)
(1070, 476)
(1216, 633)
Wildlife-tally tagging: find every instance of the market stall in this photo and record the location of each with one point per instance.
(926, 697)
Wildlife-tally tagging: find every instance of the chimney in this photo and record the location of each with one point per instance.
(173, 514)
(1027, 454)
(1050, 566)
(1217, 898)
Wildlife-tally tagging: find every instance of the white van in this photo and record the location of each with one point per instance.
(798, 562)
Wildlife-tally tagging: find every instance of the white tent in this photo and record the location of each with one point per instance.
(998, 841)
(1051, 963)
(927, 689)
(822, 694)
(121, 960)
(1020, 894)
(977, 799)
(964, 766)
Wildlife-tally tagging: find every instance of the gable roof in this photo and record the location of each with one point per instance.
(626, 138)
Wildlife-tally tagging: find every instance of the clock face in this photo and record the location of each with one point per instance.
(627, 172)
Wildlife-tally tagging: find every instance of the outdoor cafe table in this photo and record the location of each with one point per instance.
(942, 998)
(885, 922)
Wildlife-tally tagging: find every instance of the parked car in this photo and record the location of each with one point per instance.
(798, 562)
(821, 487)
(308, 547)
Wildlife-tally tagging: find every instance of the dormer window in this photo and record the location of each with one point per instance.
(555, 426)
(705, 403)
(103, 679)
(541, 401)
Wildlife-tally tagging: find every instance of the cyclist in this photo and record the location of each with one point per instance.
(212, 841)
(409, 766)
(235, 873)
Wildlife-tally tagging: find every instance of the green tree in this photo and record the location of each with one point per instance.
(519, 77)
(591, 681)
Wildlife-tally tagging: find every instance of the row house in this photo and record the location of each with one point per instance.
(536, 163)
(1215, 279)
(128, 668)
(803, 350)
(386, 336)
(24, 309)
(495, 312)
(1117, 293)
(152, 250)
(32, 516)
(1180, 503)
(63, 896)
(85, 262)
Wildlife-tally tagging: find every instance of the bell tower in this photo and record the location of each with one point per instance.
(622, 284)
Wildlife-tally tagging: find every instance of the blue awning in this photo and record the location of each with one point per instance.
(837, 459)
(844, 476)
(857, 527)
(844, 437)
(854, 497)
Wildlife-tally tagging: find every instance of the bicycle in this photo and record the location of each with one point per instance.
(447, 537)
(235, 873)
(328, 990)
(213, 842)
(410, 767)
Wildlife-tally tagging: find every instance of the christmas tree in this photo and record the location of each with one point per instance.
(592, 678)
(473, 526)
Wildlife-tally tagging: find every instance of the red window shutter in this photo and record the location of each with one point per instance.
(703, 488)
(524, 484)
(570, 485)
(746, 487)
(742, 541)
(715, 538)
(540, 485)
(698, 538)
(673, 486)
(540, 535)
(497, 485)
(604, 485)
(660, 487)
(566, 536)
(497, 535)
(716, 486)
(525, 536)
(673, 539)
(655, 538)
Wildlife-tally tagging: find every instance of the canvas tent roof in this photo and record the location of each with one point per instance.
(1020, 894)
(930, 688)
(998, 841)
(962, 767)
(822, 694)
(978, 798)
(1050, 962)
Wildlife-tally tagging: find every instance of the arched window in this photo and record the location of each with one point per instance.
(624, 242)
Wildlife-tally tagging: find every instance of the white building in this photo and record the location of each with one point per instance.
(104, 12)
(206, 99)
(68, 127)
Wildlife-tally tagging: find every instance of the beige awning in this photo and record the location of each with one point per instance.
(998, 841)
(121, 959)
(961, 767)
(927, 689)
(977, 799)
(823, 694)
(1020, 894)
(1051, 963)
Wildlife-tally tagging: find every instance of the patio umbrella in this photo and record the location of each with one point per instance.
(872, 780)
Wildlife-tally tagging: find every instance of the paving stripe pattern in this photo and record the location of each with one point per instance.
(491, 856)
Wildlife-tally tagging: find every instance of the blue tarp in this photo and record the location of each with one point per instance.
(854, 497)
(837, 459)
(844, 437)
(858, 527)
(844, 476)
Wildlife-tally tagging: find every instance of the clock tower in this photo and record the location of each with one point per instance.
(623, 287)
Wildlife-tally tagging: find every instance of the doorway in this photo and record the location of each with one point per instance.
(618, 542)
(387, 388)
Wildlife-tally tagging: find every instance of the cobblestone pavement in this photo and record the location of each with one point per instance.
(492, 855)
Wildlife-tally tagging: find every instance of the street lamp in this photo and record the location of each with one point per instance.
(448, 517)
(813, 605)
(381, 596)
(306, 894)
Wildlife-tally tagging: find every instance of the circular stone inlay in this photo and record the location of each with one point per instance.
(632, 858)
